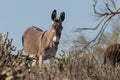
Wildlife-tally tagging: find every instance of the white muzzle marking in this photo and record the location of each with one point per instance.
(56, 39)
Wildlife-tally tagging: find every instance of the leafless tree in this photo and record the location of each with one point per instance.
(108, 12)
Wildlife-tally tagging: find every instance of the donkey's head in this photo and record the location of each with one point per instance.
(57, 25)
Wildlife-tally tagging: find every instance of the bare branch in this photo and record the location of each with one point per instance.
(113, 3)
(107, 7)
(105, 18)
(99, 35)
(103, 28)
(102, 15)
(101, 20)
(118, 9)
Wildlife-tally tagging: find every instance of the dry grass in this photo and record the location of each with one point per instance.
(69, 66)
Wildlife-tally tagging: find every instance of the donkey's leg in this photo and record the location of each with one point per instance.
(33, 57)
(40, 62)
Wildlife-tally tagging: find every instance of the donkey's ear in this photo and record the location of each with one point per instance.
(62, 16)
(54, 14)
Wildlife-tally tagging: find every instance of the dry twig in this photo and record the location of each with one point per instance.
(104, 19)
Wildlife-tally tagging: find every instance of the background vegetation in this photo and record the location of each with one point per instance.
(74, 64)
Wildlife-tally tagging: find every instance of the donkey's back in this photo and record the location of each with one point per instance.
(31, 40)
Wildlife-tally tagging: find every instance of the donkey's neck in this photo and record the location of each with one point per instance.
(49, 35)
(47, 39)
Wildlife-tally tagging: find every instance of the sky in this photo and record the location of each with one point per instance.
(17, 15)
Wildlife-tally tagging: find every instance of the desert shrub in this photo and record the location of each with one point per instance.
(70, 65)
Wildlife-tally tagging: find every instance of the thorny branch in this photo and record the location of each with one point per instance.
(104, 18)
